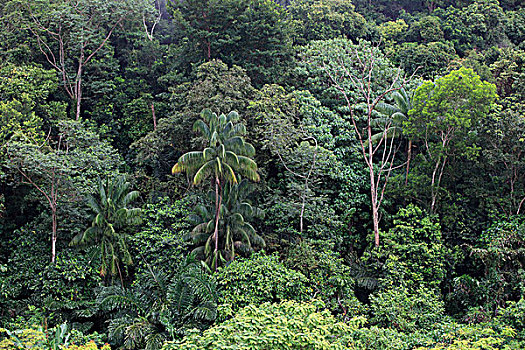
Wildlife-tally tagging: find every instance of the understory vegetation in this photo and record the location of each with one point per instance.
(256, 174)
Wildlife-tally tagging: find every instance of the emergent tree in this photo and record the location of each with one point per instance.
(225, 156)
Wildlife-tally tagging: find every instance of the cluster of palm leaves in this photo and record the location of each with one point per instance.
(111, 215)
(160, 308)
(393, 118)
(222, 223)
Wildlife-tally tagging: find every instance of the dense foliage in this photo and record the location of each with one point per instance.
(262, 174)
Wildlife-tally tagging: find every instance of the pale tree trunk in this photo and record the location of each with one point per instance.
(218, 203)
(153, 116)
(375, 207)
(78, 89)
(409, 156)
(306, 178)
(54, 234)
(52, 200)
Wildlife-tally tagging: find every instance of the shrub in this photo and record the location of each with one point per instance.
(403, 310)
(416, 241)
(262, 278)
(52, 339)
(514, 315)
(285, 325)
(329, 278)
(476, 337)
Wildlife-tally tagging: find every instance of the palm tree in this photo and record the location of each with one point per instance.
(236, 212)
(111, 215)
(225, 156)
(395, 115)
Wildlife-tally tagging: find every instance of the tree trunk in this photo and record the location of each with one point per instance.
(409, 155)
(154, 117)
(375, 209)
(78, 94)
(53, 234)
(218, 202)
(373, 184)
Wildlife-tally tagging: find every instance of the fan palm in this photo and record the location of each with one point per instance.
(225, 157)
(111, 215)
(235, 213)
(394, 116)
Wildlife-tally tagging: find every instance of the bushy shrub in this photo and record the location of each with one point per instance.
(329, 278)
(59, 337)
(261, 278)
(514, 316)
(501, 254)
(405, 310)
(285, 325)
(475, 337)
(411, 253)
(160, 237)
(416, 241)
(60, 289)
(160, 307)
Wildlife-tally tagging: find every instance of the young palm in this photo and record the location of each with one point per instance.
(111, 215)
(225, 157)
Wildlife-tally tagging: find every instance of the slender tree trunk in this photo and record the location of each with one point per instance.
(373, 184)
(409, 156)
(53, 234)
(154, 116)
(218, 203)
(78, 87)
(375, 209)
(79, 98)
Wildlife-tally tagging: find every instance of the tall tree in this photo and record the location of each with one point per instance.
(444, 111)
(325, 19)
(250, 33)
(356, 72)
(225, 156)
(63, 168)
(69, 34)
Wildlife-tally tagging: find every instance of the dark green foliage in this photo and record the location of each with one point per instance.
(236, 213)
(59, 290)
(414, 251)
(253, 34)
(216, 87)
(160, 237)
(479, 25)
(136, 75)
(500, 250)
(326, 19)
(62, 170)
(427, 60)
